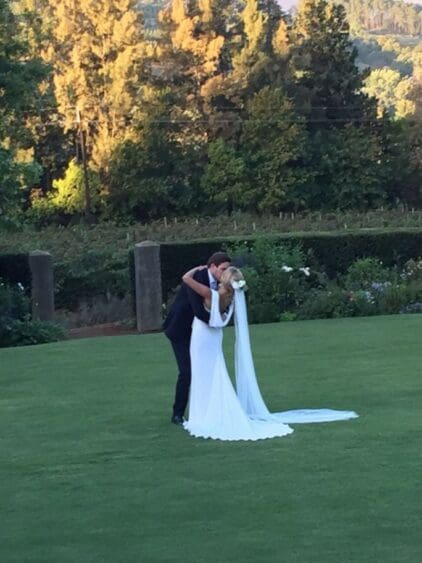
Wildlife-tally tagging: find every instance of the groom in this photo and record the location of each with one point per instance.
(178, 326)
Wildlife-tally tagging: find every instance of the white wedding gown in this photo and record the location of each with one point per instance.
(215, 409)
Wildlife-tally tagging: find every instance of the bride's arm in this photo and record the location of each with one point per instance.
(199, 288)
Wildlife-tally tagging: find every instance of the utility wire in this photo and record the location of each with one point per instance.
(246, 120)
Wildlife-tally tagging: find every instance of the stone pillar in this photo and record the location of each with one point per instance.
(42, 285)
(149, 298)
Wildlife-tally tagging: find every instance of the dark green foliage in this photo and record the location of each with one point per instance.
(225, 180)
(328, 81)
(364, 272)
(19, 76)
(368, 288)
(14, 304)
(106, 270)
(178, 258)
(15, 178)
(14, 269)
(346, 167)
(19, 79)
(98, 261)
(16, 326)
(337, 252)
(334, 253)
(27, 332)
(287, 277)
(333, 302)
(275, 281)
(139, 181)
(344, 159)
(272, 142)
(152, 175)
(91, 275)
(401, 298)
(401, 166)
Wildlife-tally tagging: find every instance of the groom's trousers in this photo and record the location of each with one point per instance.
(182, 353)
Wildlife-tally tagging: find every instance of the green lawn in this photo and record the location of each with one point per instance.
(92, 470)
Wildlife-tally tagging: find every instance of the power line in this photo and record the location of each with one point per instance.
(218, 108)
(248, 120)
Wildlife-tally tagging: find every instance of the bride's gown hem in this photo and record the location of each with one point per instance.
(216, 410)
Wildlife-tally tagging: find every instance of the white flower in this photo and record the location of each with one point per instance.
(286, 268)
(238, 284)
(20, 286)
(305, 270)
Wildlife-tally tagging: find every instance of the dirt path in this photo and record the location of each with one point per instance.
(109, 329)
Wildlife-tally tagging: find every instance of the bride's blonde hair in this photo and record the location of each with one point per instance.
(229, 275)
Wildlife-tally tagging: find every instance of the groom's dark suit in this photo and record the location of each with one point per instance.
(178, 329)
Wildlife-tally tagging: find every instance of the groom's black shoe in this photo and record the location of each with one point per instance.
(177, 419)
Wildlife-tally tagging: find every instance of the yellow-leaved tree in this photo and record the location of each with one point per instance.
(97, 53)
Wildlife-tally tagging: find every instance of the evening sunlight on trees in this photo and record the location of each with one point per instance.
(119, 109)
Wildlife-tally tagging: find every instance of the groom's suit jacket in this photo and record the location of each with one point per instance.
(186, 305)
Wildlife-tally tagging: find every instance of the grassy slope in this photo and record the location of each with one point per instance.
(92, 470)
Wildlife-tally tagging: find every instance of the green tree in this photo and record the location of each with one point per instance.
(225, 179)
(272, 144)
(68, 194)
(348, 170)
(402, 152)
(327, 81)
(263, 57)
(19, 79)
(51, 146)
(391, 91)
(150, 175)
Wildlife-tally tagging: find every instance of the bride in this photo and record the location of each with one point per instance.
(216, 410)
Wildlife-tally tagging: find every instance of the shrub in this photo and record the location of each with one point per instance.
(16, 326)
(325, 304)
(26, 332)
(362, 296)
(14, 304)
(337, 251)
(14, 269)
(397, 297)
(412, 308)
(365, 272)
(337, 302)
(288, 316)
(276, 276)
(413, 269)
(331, 253)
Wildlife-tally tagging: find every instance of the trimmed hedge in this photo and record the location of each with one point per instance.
(110, 270)
(14, 269)
(334, 252)
(177, 258)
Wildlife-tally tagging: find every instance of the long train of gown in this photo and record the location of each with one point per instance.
(215, 409)
(247, 386)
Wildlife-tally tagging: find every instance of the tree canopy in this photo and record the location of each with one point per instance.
(211, 106)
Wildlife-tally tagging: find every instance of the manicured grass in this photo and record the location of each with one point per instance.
(92, 470)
